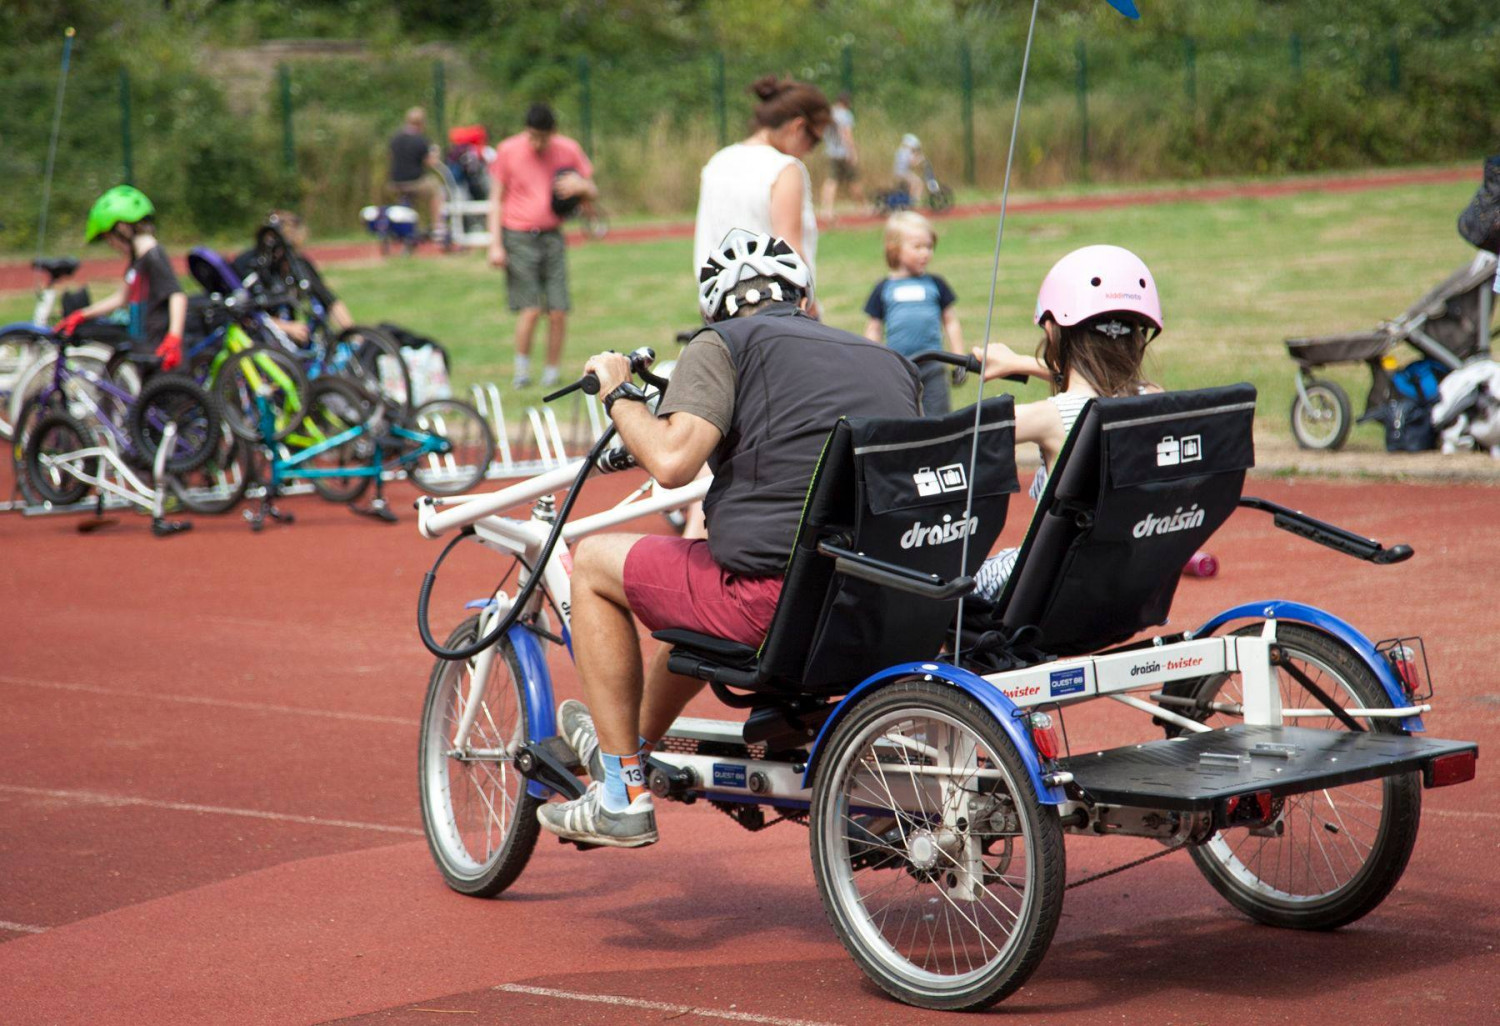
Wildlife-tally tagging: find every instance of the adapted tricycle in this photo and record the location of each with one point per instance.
(1284, 749)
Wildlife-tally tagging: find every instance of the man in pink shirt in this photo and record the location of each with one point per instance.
(540, 178)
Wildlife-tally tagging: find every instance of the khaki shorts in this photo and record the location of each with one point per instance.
(536, 270)
(844, 171)
(419, 192)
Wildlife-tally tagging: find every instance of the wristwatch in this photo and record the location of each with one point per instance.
(625, 390)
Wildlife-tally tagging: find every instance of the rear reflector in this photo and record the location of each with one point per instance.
(1450, 769)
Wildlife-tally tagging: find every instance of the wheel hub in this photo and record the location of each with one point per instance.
(922, 849)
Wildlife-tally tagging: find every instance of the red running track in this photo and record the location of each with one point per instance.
(208, 799)
(18, 275)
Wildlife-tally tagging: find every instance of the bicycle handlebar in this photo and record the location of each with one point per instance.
(640, 363)
(966, 363)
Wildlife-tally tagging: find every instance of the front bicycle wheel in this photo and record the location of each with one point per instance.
(173, 399)
(54, 437)
(467, 447)
(1332, 855)
(940, 869)
(480, 822)
(261, 392)
(372, 358)
(334, 409)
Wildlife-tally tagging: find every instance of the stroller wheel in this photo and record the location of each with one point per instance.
(1320, 415)
(939, 198)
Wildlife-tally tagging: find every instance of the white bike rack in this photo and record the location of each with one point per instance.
(540, 427)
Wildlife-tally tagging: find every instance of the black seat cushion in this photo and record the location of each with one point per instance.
(720, 650)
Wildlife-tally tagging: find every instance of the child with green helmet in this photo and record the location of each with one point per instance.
(123, 217)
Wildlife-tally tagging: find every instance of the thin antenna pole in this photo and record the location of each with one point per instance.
(62, 85)
(989, 317)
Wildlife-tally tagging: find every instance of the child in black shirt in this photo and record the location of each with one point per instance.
(157, 304)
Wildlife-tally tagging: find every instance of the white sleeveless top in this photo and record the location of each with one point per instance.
(1069, 406)
(735, 192)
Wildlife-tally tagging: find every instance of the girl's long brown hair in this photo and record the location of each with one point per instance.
(1111, 365)
(782, 99)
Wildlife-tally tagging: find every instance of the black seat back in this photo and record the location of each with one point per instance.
(1141, 484)
(895, 490)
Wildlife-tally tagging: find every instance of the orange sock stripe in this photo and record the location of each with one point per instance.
(634, 776)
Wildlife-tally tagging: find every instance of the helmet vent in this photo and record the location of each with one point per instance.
(1094, 282)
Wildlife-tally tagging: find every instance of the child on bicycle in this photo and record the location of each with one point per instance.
(907, 168)
(124, 217)
(1098, 308)
(914, 309)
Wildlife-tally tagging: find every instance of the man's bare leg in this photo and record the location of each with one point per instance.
(526, 329)
(557, 334)
(606, 648)
(667, 694)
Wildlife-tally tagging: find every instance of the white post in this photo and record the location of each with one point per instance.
(1262, 695)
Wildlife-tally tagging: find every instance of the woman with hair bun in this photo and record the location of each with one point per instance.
(760, 184)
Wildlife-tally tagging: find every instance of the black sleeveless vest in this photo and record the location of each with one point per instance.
(795, 377)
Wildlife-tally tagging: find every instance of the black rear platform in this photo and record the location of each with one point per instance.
(1171, 774)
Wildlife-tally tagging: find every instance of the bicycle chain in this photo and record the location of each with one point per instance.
(1129, 865)
(732, 810)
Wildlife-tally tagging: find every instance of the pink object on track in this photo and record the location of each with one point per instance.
(1098, 280)
(1203, 564)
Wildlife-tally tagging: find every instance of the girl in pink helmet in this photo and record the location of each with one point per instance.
(1098, 308)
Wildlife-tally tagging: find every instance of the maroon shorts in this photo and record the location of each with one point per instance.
(673, 582)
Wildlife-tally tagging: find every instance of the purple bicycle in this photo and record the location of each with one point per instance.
(84, 431)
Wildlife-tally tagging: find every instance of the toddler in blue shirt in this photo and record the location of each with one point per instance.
(912, 310)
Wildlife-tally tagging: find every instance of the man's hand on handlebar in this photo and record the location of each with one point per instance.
(612, 370)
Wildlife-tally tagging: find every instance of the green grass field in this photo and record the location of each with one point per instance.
(1237, 277)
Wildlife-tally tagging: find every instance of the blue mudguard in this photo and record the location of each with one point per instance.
(27, 327)
(1335, 628)
(541, 710)
(976, 687)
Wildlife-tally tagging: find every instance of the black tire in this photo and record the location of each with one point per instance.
(257, 376)
(1371, 851)
(1323, 421)
(485, 857)
(939, 199)
(471, 448)
(173, 398)
(333, 407)
(56, 433)
(371, 358)
(888, 838)
(220, 482)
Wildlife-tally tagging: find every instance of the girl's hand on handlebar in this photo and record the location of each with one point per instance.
(612, 370)
(1001, 361)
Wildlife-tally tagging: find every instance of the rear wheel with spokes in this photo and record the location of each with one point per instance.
(939, 867)
(480, 821)
(50, 444)
(1332, 855)
(260, 392)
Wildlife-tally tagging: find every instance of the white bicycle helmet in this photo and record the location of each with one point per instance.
(744, 254)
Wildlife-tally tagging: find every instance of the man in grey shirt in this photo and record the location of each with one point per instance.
(754, 397)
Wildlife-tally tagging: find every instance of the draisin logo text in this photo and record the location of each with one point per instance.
(1181, 520)
(920, 534)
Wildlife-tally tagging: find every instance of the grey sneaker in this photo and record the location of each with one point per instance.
(587, 820)
(521, 381)
(551, 376)
(577, 728)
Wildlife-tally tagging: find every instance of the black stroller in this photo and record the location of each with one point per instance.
(1450, 324)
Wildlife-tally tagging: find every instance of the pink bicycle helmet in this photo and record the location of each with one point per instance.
(1098, 280)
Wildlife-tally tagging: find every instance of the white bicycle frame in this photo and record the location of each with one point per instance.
(525, 539)
(126, 484)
